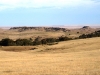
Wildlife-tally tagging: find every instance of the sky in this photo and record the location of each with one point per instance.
(49, 13)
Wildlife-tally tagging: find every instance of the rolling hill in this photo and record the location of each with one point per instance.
(75, 57)
(33, 32)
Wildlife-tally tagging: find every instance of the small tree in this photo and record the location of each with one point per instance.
(83, 36)
(64, 38)
(23, 42)
(37, 41)
(7, 42)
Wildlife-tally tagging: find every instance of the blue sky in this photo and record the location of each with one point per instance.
(49, 12)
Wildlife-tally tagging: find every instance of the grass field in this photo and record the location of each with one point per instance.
(32, 33)
(76, 57)
(14, 34)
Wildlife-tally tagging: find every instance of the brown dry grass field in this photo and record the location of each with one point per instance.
(16, 34)
(76, 57)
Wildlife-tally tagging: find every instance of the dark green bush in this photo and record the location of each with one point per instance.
(64, 38)
(23, 42)
(95, 34)
(7, 42)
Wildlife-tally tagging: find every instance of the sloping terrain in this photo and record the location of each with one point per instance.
(75, 57)
(45, 32)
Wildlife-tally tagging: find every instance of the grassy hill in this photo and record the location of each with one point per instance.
(75, 57)
(33, 32)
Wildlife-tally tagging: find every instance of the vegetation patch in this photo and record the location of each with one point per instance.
(8, 71)
(44, 41)
(17, 48)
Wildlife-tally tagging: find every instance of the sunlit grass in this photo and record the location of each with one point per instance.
(76, 57)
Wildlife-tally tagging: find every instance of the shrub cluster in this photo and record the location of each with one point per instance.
(30, 42)
(18, 42)
(95, 34)
(48, 41)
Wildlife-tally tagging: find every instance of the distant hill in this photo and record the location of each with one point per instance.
(86, 27)
(20, 29)
(44, 32)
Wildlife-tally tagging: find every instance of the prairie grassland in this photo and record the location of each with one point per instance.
(76, 57)
(16, 33)
(13, 34)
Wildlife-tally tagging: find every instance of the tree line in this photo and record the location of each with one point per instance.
(48, 41)
(30, 42)
(94, 34)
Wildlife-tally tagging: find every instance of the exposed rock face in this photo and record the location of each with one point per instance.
(39, 28)
(86, 27)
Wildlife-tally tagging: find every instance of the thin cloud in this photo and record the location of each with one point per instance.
(8, 4)
(96, 0)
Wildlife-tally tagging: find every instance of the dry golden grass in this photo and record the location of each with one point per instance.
(18, 48)
(15, 34)
(76, 57)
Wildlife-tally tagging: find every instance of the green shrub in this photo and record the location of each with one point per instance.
(7, 42)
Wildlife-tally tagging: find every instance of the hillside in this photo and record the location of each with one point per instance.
(76, 57)
(20, 29)
(44, 32)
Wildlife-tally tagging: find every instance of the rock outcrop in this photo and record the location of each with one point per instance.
(20, 29)
(86, 27)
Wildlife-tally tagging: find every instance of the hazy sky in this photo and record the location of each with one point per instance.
(49, 12)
